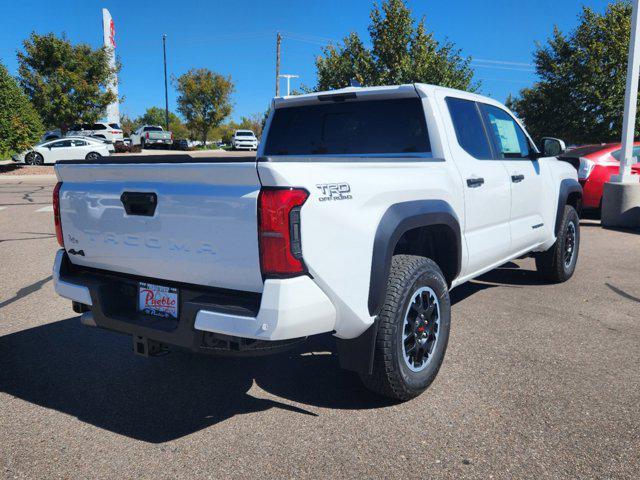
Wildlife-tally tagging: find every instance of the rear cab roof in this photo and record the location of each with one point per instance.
(381, 92)
(413, 90)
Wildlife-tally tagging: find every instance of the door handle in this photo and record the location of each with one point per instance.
(139, 203)
(517, 178)
(475, 182)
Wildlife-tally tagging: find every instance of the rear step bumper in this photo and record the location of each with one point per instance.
(287, 309)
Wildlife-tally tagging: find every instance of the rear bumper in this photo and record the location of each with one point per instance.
(287, 309)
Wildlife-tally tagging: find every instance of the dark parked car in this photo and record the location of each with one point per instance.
(181, 144)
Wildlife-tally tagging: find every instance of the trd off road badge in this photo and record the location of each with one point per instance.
(334, 191)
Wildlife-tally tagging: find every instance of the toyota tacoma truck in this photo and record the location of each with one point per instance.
(363, 208)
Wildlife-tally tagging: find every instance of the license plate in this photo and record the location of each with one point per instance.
(158, 300)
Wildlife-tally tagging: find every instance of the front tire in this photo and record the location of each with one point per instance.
(34, 158)
(559, 262)
(413, 329)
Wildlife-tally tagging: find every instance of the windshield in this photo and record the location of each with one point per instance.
(152, 129)
(245, 134)
(391, 126)
(115, 126)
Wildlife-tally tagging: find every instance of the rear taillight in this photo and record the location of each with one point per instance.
(172, 136)
(56, 213)
(279, 231)
(147, 135)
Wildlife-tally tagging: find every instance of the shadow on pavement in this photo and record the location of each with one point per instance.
(622, 293)
(24, 291)
(9, 167)
(93, 375)
(596, 223)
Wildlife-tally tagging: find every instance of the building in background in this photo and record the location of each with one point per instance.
(109, 34)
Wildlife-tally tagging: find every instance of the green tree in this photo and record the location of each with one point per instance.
(580, 94)
(66, 83)
(127, 124)
(204, 99)
(402, 51)
(156, 116)
(224, 132)
(252, 122)
(20, 125)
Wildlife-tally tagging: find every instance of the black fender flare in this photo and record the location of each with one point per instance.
(568, 186)
(396, 221)
(357, 354)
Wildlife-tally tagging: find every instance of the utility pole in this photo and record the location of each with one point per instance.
(288, 76)
(630, 101)
(166, 93)
(278, 41)
(621, 195)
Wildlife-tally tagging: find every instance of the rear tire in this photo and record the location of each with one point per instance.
(413, 329)
(142, 145)
(559, 262)
(93, 156)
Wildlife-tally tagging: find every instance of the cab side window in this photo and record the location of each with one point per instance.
(470, 131)
(509, 140)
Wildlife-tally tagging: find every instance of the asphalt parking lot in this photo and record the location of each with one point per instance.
(540, 381)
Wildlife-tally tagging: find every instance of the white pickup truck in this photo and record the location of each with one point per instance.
(151, 135)
(363, 208)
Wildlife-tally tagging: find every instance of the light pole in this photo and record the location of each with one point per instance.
(278, 42)
(621, 196)
(166, 93)
(288, 76)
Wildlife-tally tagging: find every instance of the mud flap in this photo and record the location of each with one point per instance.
(356, 354)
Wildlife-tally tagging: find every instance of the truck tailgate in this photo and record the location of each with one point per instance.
(159, 135)
(202, 229)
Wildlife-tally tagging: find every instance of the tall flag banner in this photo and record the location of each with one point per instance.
(109, 33)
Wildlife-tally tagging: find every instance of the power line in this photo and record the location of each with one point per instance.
(508, 80)
(498, 67)
(503, 62)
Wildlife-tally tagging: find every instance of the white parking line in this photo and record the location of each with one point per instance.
(48, 208)
(2, 208)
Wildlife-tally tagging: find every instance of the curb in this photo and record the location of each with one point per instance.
(21, 178)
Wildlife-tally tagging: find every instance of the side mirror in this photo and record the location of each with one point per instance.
(552, 147)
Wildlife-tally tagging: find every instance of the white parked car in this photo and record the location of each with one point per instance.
(107, 131)
(363, 208)
(244, 140)
(68, 148)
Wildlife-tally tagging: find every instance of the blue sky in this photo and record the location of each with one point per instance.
(237, 38)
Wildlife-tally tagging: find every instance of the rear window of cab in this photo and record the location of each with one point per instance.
(362, 127)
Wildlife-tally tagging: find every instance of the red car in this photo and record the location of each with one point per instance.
(596, 165)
